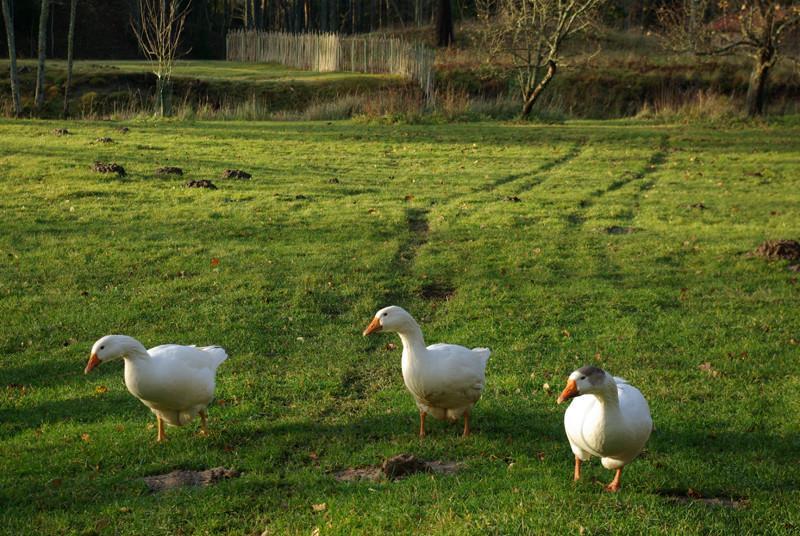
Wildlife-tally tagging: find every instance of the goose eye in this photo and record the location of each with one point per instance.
(102, 347)
(385, 314)
(583, 377)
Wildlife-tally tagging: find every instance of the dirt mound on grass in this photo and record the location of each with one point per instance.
(236, 174)
(779, 249)
(395, 468)
(108, 167)
(61, 132)
(169, 170)
(203, 183)
(177, 479)
(104, 139)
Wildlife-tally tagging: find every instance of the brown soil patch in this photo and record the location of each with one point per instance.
(203, 183)
(236, 174)
(395, 468)
(693, 496)
(177, 479)
(123, 130)
(108, 167)
(334, 180)
(616, 229)
(169, 170)
(513, 199)
(105, 139)
(779, 249)
(698, 206)
(437, 291)
(61, 132)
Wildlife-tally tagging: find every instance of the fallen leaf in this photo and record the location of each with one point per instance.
(566, 333)
(546, 386)
(86, 438)
(706, 367)
(100, 389)
(321, 507)
(390, 346)
(56, 482)
(540, 455)
(214, 262)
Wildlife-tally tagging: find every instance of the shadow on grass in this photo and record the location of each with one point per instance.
(83, 409)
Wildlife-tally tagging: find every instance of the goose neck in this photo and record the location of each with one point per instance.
(412, 339)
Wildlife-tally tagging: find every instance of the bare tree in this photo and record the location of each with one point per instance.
(533, 33)
(756, 28)
(158, 31)
(43, 13)
(73, 6)
(12, 57)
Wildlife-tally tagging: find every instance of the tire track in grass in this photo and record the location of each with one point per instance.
(570, 155)
(605, 267)
(577, 217)
(354, 380)
(545, 167)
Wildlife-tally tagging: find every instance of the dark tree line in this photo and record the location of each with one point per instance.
(102, 27)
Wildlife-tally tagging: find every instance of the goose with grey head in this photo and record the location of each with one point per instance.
(176, 382)
(446, 380)
(608, 418)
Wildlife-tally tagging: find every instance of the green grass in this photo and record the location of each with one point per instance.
(304, 395)
(208, 70)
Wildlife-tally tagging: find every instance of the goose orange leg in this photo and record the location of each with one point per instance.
(615, 485)
(466, 424)
(161, 437)
(422, 415)
(203, 423)
(577, 469)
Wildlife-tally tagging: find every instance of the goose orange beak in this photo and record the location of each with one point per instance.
(93, 362)
(374, 326)
(570, 391)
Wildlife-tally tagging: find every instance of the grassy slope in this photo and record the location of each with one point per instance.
(208, 70)
(304, 394)
(108, 87)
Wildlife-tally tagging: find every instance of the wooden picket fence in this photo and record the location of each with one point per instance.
(327, 52)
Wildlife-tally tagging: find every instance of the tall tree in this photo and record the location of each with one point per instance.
(533, 33)
(757, 28)
(445, 36)
(39, 99)
(12, 57)
(73, 7)
(158, 32)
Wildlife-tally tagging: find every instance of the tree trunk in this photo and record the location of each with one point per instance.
(12, 57)
(444, 24)
(163, 97)
(533, 95)
(39, 99)
(756, 99)
(73, 5)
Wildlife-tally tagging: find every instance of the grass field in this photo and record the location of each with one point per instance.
(419, 214)
(231, 71)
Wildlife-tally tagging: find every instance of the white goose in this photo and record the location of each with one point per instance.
(445, 379)
(609, 419)
(175, 382)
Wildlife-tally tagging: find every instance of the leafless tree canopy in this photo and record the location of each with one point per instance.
(158, 31)
(753, 27)
(532, 33)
